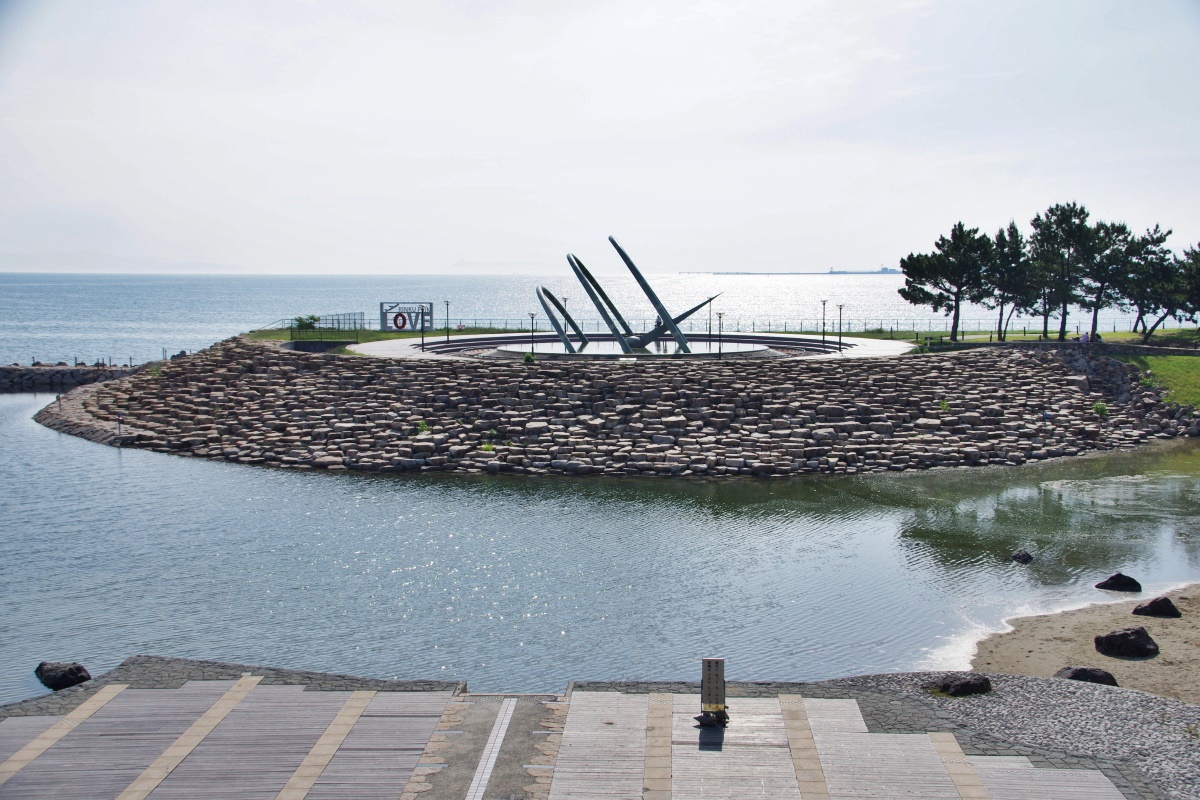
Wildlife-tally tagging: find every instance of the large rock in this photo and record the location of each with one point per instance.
(1158, 607)
(1119, 582)
(57, 675)
(1022, 557)
(968, 683)
(1087, 674)
(1127, 643)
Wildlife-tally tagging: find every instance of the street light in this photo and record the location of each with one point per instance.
(839, 327)
(447, 321)
(532, 314)
(823, 302)
(720, 331)
(422, 316)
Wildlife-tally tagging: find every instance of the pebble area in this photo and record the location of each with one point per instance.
(258, 403)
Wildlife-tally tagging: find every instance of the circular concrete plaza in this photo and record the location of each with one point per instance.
(603, 347)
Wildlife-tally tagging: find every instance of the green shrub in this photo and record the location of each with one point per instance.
(306, 323)
(1100, 409)
(529, 359)
(422, 427)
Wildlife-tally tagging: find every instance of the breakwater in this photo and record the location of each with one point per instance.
(256, 403)
(57, 378)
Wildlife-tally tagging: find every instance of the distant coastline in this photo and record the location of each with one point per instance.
(880, 271)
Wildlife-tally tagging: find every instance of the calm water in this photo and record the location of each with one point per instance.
(124, 317)
(522, 585)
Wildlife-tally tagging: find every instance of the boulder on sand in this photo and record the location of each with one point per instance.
(1158, 607)
(1127, 642)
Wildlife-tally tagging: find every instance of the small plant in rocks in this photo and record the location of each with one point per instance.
(944, 406)
(487, 447)
(1100, 409)
(422, 427)
(529, 359)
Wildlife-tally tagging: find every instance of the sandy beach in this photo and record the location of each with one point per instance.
(1042, 645)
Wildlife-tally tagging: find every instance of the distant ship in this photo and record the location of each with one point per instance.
(880, 271)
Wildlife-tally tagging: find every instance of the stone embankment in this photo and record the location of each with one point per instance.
(254, 403)
(57, 378)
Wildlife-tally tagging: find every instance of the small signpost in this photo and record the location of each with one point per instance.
(712, 693)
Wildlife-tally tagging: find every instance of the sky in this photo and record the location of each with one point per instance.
(484, 136)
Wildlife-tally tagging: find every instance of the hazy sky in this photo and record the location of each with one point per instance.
(422, 137)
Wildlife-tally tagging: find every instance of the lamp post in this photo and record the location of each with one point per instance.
(720, 332)
(422, 323)
(823, 302)
(839, 327)
(532, 314)
(447, 321)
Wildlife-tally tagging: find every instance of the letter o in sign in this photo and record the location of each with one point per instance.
(399, 322)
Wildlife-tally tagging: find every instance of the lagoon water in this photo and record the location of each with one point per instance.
(520, 584)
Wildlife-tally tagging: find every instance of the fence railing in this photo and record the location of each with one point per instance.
(348, 322)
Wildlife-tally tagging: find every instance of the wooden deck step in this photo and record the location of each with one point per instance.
(834, 716)
(255, 749)
(378, 756)
(111, 748)
(16, 732)
(1012, 782)
(750, 758)
(603, 750)
(883, 765)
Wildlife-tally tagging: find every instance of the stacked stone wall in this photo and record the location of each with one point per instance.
(255, 403)
(58, 378)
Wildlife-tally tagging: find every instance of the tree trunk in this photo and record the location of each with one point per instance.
(1011, 311)
(1062, 325)
(1045, 315)
(1154, 327)
(954, 319)
(1096, 311)
(1000, 324)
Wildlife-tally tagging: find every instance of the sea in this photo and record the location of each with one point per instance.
(519, 584)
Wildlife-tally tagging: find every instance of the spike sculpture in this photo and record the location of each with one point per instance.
(622, 333)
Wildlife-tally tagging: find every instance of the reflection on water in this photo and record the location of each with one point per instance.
(521, 584)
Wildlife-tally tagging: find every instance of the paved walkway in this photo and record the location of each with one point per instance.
(257, 736)
(411, 348)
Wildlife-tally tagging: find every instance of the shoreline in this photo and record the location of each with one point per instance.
(1039, 645)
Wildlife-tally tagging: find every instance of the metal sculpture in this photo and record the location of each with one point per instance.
(622, 333)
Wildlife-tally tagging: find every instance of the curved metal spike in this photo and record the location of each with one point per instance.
(658, 306)
(579, 269)
(643, 339)
(541, 296)
(567, 317)
(603, 296)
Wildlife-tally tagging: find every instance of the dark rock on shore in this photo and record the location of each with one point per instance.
(1087, 674)
(1158, 607)
(1127, 643)
(56, 675)
(1119, 582)
(968, 684)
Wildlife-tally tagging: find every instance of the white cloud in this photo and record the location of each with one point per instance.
(284, 136)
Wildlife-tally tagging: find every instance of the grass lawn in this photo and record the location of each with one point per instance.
(1179, 375)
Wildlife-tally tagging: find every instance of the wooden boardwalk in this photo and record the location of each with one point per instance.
(242, 740)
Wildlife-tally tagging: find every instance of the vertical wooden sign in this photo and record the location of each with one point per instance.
(712, 685)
